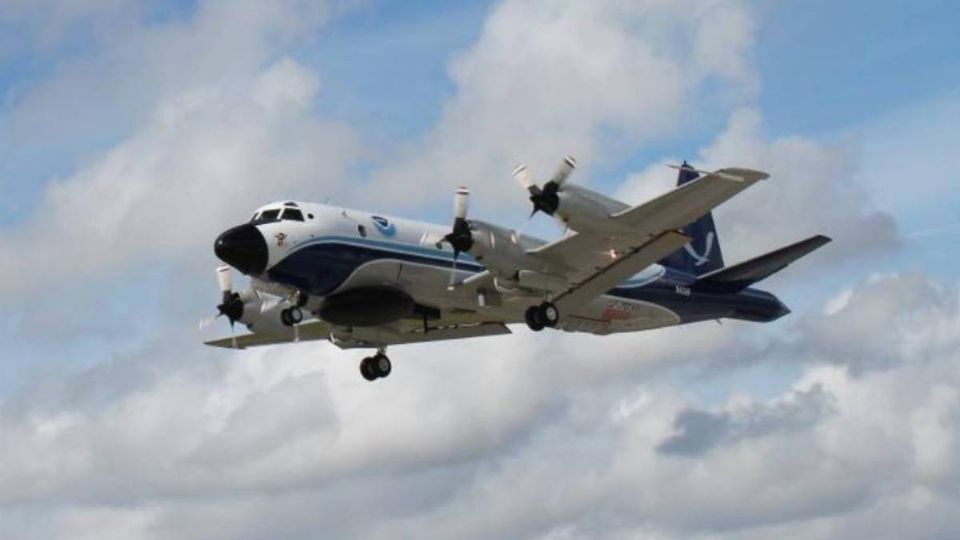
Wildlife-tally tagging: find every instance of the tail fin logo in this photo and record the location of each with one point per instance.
(698, 259)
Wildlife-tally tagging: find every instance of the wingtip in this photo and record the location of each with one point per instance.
(820, 240)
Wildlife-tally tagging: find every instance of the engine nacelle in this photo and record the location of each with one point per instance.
(271, 321)
(587, 211)
(497, 248)
(262, 313)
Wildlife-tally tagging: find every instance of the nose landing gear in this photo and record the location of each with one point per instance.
(546, 315)
(376, 366)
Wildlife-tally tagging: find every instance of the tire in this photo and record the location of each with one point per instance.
(382, 365)
(296, 315)
(367, 369)
(549, 314)
(534, 318)
(286, 318)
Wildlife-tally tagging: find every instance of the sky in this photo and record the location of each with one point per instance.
(133, 132)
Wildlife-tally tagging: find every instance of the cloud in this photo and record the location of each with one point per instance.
(919, 319)
(237, 133)
(166, 446)
(812, 190)
(549, 78)
(554, 436)
(699, 431)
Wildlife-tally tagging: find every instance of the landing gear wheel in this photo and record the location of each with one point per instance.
(382, 365)
(534, 317)
(375, 367)
(367, 369)
(291, 316)
(549, 314)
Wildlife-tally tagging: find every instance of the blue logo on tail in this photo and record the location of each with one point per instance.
(383, 225)
(698, 259)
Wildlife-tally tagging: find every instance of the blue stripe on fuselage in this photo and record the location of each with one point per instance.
(321, 265)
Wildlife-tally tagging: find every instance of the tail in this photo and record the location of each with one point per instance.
(742, 275)
(702, 255)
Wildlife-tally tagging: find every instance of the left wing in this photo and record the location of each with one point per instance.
(579, 254)
(685, 204)
(618, 269)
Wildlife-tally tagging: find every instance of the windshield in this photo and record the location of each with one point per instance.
(292, 214)
(269, 215)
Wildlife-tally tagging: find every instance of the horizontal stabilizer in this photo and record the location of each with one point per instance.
(740, 276)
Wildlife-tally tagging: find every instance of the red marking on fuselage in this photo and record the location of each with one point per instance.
(611, 314)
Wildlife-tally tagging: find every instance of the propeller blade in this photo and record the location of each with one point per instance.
(461, 202)
(453, 272)
(523, 177)
(566, 167)
(225, 282)
(460, 237)
(224, 279)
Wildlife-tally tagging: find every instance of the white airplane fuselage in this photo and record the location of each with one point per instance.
(333, 250)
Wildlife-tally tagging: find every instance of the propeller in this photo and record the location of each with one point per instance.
(547, 198)
(460, 238)
(231, 305)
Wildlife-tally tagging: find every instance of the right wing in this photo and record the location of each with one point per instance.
(398, 333)
(309, 331)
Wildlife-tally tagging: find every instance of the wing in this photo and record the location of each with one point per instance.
(579, 255)
(616, 270)
(399, 333)
(594, 263)
(688, 202)
(309, 331)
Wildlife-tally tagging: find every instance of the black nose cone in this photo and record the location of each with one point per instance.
(243, 248)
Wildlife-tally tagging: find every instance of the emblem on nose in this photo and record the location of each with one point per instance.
(243, 248)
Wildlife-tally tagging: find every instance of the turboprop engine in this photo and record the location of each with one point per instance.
(575, 207)
(497, 248)
(502, 251)
(258, 311)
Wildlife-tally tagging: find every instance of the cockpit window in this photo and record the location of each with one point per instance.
(254, 217)
(269, 215)
(292, 214)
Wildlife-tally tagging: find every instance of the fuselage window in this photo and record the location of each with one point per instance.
(362, 230)
(270, 215)
(292, 214)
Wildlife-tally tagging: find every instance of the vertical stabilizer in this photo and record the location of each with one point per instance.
(702, 254)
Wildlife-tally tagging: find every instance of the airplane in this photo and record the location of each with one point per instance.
(367, 280)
